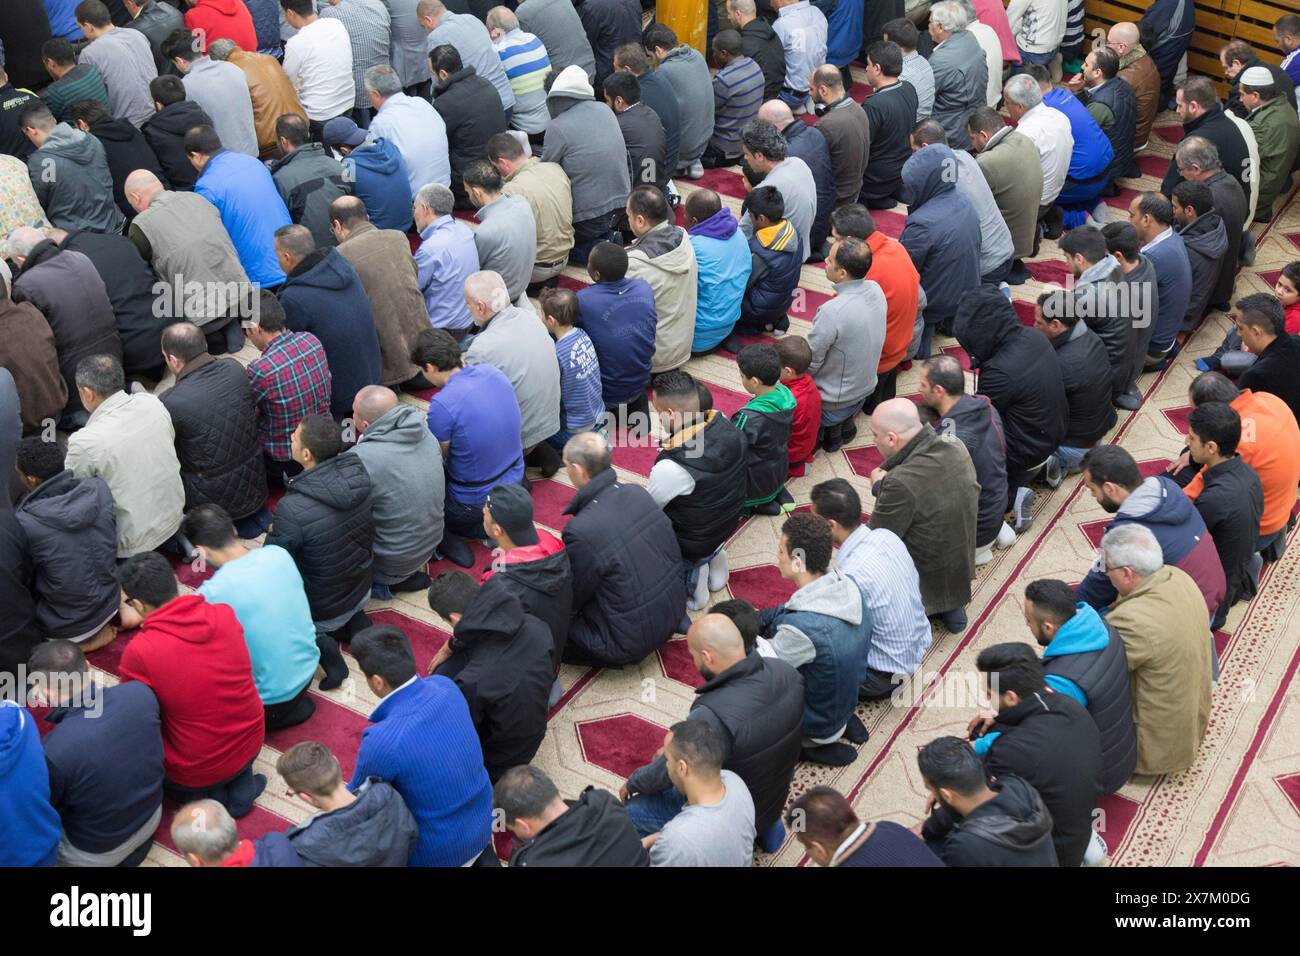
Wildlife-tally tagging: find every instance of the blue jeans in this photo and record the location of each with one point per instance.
(561, 438)
(839, 415)
(464, 520)
(792, 98)
(649, 812)
(1040, 58)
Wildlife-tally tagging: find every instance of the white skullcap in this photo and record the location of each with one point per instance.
(1256, 76)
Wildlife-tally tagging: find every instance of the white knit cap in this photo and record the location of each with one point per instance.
(572, 82)
(1256, 76)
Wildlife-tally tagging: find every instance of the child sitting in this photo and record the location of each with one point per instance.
(1230, 358)
(765, 421)
(618, 314)
(582, 409)
(796, 356)
(777, 258)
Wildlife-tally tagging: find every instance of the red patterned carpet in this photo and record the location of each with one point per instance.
(1239, 804)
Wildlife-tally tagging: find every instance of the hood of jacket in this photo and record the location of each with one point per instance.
(570, 87)
(400, 425)
(780, 237)
(500, 617)
(42, 252)
(375, 819)
(304, 155)
(1207, 235)
(378, 156)
(833, 594)
(180, 117)
(1084, 632)
(187, 618)
(463, 73)
(113, 131)
(63, 502)
(543, 567)
(929, 173)
(1016, 818)
(666, 247)
(341, 483)
(1158, 501)
(984, 320)
(323, 269)
(721, 225)
(780, 399)
(227, 8)
(71, 144)
(582, 834)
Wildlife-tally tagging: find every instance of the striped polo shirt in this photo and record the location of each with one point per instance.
(524, 59)
(82, 82)
(737, 95)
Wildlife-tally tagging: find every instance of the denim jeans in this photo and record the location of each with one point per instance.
(464, 520)
(1071, 459)
(649, 812)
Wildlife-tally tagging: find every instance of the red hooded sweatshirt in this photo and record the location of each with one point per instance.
(223, 20)
(192, 654)
(807, 420)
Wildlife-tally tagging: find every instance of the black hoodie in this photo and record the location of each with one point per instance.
(127, 151)
(1012, 829)
(503, 662)
(595, 831)
(1019, 372)
(165, 134)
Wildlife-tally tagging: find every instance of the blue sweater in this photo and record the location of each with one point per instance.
(29, 825)
(380, 180)
(105, 758)
(1173, 288)
(619, 317)
(1092, 154)
(265, 591)
(422, 741)
(251, 210)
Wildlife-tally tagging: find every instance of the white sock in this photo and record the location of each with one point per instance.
(1096, 852)
(983, 555)
(718, 571)
(701, 596)
(1006, 536)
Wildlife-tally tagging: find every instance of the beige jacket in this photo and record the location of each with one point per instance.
(546, 187)
(129, 442)
(1166, 635)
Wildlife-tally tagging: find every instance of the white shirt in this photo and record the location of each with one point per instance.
(420, 135)
(318, 62)
(1169, 231)
(992, 47)
(1050, 131)
(802, 29)
(880, 564)
(668, 480)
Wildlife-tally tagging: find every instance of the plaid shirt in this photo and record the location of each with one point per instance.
(369, 28)
(290, 380)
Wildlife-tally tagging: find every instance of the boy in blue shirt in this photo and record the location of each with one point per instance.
(582, 408)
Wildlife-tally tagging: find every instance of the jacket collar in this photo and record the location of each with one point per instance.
(194, 364)
(399, 694)
(307, 264)
(752, 664)
(53, 485)
(590, 490)
(919, 441)
(684, 435)
(86, 700)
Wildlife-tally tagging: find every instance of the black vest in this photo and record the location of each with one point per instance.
(715, 457)
(1103, 676)
(760, 702)
(1118, 96)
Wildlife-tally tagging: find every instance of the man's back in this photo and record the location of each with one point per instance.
(719, 834)
(72, 180)
(594, 831)
(128, 442)
(207, 737)
(477, 413)
(546, 187)
(221, 90)
(105, 755)
(125, 60)
(421, 740)
(251, 210)
(619, 318)
(420, 135)
(517, 344)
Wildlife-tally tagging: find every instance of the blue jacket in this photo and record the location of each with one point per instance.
(1081, 634)
(1160, 505)
(824, 630)
(1092, 153)
(422, 741)
(722, 253)
(844, 32)
(325, 297)
(274, 849)
(251, 210)
(777, 259)
(380, 180)
(1173, 286)
(105, 758)
(29, 825)
(620, 318)
(942, 232)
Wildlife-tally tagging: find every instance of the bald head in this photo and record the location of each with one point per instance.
(140, 187)
(894, 423)
(371, 404)
(828, 76)
(1125, 35)
(715, 644)
(776, 113)
(486, 295)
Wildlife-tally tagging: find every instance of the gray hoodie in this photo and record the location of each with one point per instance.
(834, 594)
(71, 178)
(585, 139)
(685, 70)
(515, 341)
(405, 467)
